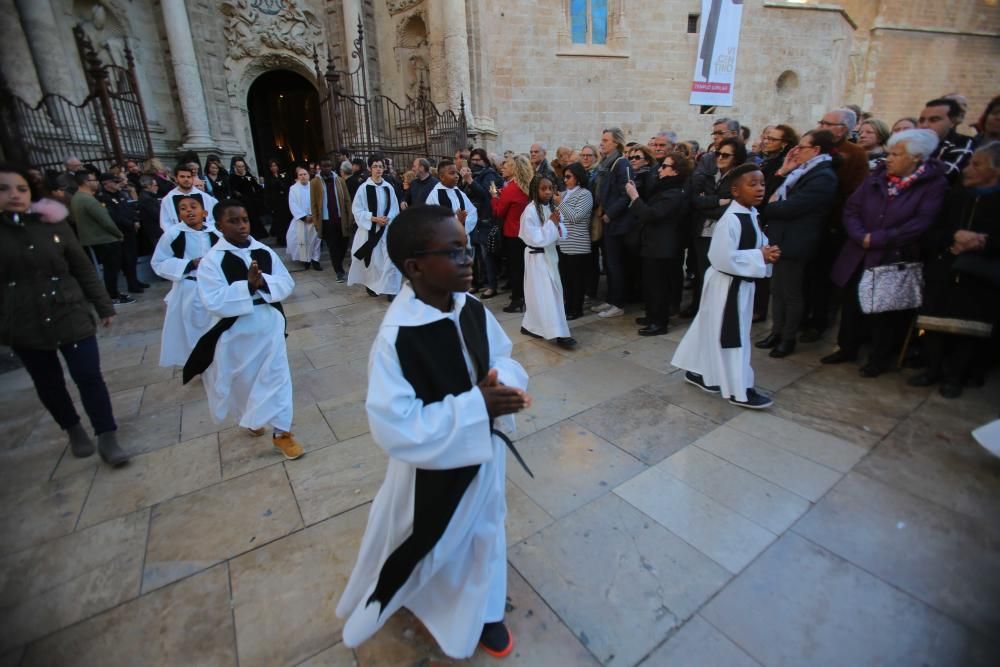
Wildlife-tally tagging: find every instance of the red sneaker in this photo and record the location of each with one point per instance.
(497, 639)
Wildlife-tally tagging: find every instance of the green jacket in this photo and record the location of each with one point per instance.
(48, 286)
(93, 222)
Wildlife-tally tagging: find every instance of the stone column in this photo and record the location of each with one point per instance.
(197, 135)
(15, 57)
(456, 47)
(352, 12)
(45, 41)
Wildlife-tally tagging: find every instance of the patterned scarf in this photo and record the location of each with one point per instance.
(897, 184)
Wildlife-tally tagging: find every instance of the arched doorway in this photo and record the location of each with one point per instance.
(284, 118)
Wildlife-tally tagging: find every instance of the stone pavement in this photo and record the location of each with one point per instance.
(855, 523)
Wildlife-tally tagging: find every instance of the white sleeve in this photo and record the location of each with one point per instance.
(359, 207)
(451, 433)
(535, 232)
(210, 203)
(725, 255)
(299, 208)
(509, 371)
(279, 282)
(168, 216)
(163, 262)
(472, 213)
(218, 296)
(432, 197)
(393, 203)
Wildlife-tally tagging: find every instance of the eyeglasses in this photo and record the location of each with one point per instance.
(720, 155)
(718, 133)
(461, 255)
(636, 157)
(774, 138)
(590, 155)
(823, 123)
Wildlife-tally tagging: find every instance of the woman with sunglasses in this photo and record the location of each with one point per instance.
(662, 213)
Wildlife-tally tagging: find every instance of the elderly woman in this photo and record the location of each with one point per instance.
(662, 212)
(905, 123)
(576, 208)
(962, 277)
(884, 220)
(872, 136)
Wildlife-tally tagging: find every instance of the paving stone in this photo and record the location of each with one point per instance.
(673, 389)
(346, 415)
(188, 623)
(619, 580)
(43, 512)
(243, 452)
(524, 516)
(196, 531)
(698, 643)
(337, 655)
(829, 450)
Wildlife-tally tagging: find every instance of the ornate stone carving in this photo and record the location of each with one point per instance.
(253, 27)
(399, 6)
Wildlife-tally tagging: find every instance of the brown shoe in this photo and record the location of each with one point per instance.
(287, 445)
(257, 432)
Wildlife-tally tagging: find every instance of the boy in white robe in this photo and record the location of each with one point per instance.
(176, 258)
(374, 207)
(242, 358)
(184, 177)
(439, 374)
(447, 194)
(715, 350)
(302, 240)
(541, 228)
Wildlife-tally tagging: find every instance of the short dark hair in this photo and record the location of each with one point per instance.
(358, 161)
(954, 110)
(682, 163)
(178, 200)
(481, 152)
(579, 173)
(739, 150)
(80, 177)
(377, 157)
(822, 139)
(220, 209)
(413, 230)
(444, 163)
(745, 131)
(742, 170)
(23, 173)
(183, 166)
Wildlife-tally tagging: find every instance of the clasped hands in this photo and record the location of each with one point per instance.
(966, 241)
(501, 399)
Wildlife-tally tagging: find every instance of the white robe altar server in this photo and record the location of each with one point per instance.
(541, 228)
(302, 239)
(374, 207)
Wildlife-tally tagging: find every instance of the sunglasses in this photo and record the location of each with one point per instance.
(774, 139)
(461, 255)
(719, 156)
(823, 123)
(666, 165)
(636, 157)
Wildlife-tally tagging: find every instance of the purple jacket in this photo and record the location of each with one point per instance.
(895, 225)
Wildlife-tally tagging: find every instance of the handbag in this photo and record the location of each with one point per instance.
(891, 287)
(596, 225)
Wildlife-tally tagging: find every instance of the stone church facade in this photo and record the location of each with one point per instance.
(518, 66)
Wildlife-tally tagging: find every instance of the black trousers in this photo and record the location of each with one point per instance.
(886, 330)
(574, 270)
(130, 254)
(658, 283)
(513, 249)
(336, 243)
(84, 364)
(109, 256)
(787, 297)
(951, 357)
(820, 306)
(614, 267)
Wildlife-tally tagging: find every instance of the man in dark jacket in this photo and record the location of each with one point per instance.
(149, 213)
(943, 115)
(612, 176)
(125, 216)
(421, 186)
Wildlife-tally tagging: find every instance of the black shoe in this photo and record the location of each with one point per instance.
(142, 284)
(782, 349)
(371, 292)
(341, 276)
(390, 297)
(838, 357)
(698, 381)
(689, 312)
(810, 335)
(316, 266)
(567, 342)
(872, 370)
(79, 442)
(653, 330)
(528, 333)
(111, 453)
(772, 340)
(642, 321)
(755, 400)
(923, 379)
(573, 316)
(514, 307)
(123, 300)
(135, 289)
(496, 639)
(950, 390)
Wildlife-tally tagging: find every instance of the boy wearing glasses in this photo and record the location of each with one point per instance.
(439, 374)
(375, 205)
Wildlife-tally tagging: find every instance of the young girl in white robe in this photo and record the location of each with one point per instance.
(242, 358)
(541, 229)
(715, 350)
(302, 239)
(176, 258)
(374, 207)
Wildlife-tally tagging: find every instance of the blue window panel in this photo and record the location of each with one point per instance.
(599, 21)
(578, 14)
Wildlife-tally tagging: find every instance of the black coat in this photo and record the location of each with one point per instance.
(796, 223)
(663, 217)
(149, 221)
(706, 194)
(50, 287)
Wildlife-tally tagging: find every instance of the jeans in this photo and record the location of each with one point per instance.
(614, 257)
(485, 266)
(84, 365)
(109, 256)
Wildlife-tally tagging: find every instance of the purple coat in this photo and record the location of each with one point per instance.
(895, 225)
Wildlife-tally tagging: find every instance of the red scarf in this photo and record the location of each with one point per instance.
(897, 184)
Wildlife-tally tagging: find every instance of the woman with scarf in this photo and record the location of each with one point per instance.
(244, 186)
(884, 220)
(794, 220)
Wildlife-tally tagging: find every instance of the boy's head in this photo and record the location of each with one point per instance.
(184, 176)
(191, 212)
(747, 185)
(429, 246)
(232, 220)
(447, 173)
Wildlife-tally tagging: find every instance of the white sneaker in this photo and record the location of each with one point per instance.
(613, 311)
(600, 307)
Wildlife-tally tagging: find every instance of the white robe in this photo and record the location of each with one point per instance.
(381, 276)
(168, 212)
(462, 582)
(700, 350)
(544, 311)
(249, 375)
(186, 318)
(302, 239)
(453, 195)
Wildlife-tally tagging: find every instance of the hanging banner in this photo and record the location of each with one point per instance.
(718, 40)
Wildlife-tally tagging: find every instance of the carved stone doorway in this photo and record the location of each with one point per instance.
(284, 118)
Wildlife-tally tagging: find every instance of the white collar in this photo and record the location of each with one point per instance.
(223, 244)
(409, 311)
(369, 181)
(736, 207)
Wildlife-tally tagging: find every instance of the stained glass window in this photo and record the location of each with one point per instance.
(578, 13)
(599, 21)
(589, 21)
